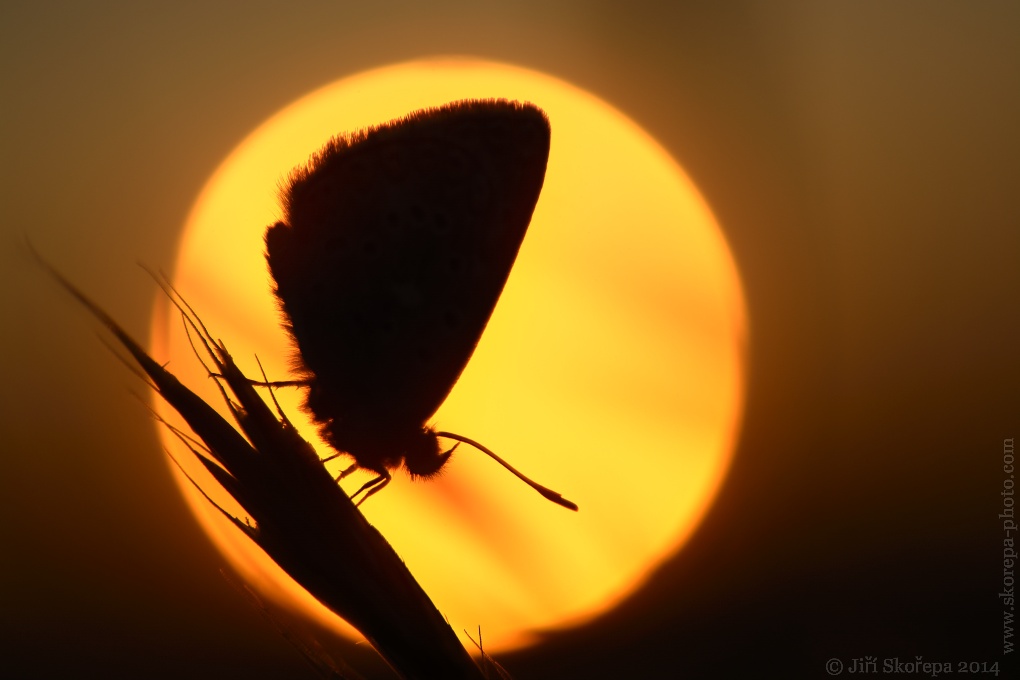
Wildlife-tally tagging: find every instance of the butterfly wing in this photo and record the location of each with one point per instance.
(396, 244)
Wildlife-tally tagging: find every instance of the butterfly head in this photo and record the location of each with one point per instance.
(423, 457)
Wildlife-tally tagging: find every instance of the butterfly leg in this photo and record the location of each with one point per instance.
(371, 487)
(280, 383)
(346, 471)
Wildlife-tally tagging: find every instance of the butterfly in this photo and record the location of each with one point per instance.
(396, 243)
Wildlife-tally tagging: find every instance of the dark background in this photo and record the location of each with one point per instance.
(863, 159)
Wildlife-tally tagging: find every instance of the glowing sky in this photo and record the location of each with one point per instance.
(611, 369)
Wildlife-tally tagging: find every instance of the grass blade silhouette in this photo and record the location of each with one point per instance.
(301, 518)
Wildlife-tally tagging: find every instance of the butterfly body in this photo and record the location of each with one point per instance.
(395, 245)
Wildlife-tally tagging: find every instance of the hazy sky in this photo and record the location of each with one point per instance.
(862, 160)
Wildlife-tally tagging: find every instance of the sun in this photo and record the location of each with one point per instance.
(612, 370)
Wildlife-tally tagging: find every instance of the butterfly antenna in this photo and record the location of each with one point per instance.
(547, 492)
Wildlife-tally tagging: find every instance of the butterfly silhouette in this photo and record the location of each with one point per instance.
(395, 245)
